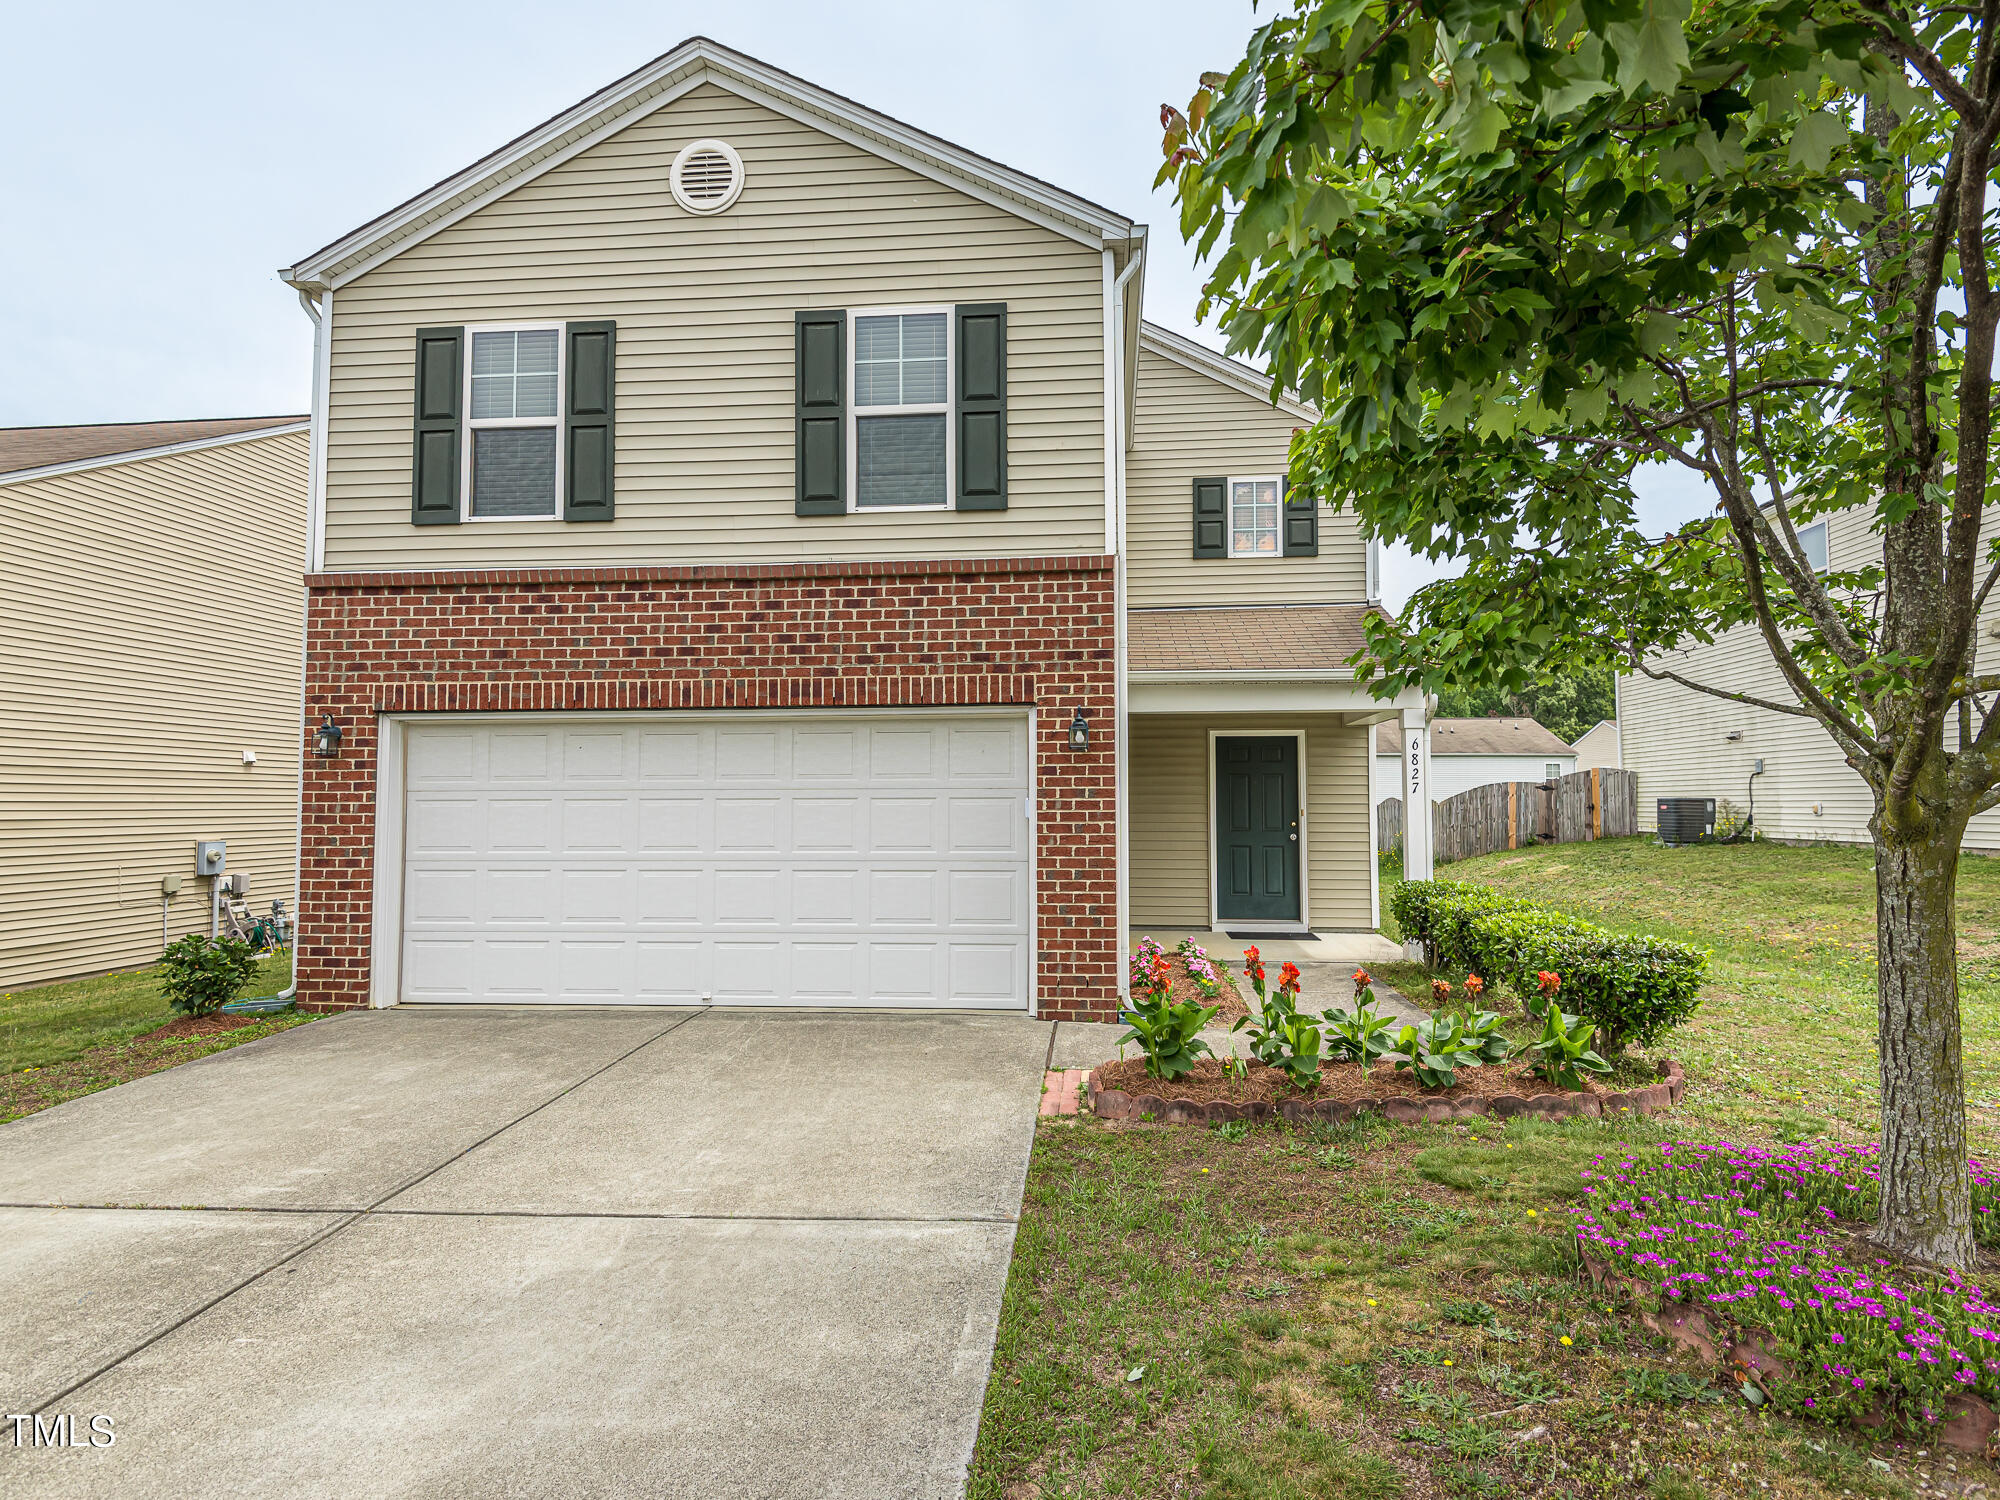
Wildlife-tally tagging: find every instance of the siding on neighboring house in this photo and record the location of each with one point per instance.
(1677, 740)
(705, 383)
(1452, 774)
(154, 613)
(1172, 817)
(1189, 425)
(1598, 746)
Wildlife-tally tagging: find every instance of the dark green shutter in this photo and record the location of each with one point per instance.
(589, 433)
(1301, 524)
(1211, 518)
(980, 411)
(434, 470)
(821, 457)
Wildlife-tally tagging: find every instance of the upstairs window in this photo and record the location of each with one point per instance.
(513, 406)
(902, 409)
(1254, 524)
(1552, 770)
(1812, 542)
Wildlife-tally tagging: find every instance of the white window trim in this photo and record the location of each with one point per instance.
(931, 408)
(469, 425)
(1229, 513)
(1826, 542)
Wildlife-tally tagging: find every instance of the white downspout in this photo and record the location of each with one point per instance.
(322, 316)
(1114, 450)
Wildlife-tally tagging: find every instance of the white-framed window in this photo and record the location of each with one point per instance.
(1256, 519)
(1812, 542)
(513, 422)
(1551, 770)
(899, 371)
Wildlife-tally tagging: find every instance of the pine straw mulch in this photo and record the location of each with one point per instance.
(208, 1025)
(1206, 1082)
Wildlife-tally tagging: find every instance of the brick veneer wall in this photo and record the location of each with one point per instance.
(1015, 631)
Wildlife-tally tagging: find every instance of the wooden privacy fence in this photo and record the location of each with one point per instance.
(1596, 804)
(1389, 823)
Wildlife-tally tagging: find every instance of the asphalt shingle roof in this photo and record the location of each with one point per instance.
(1299, 637)
(37, 447)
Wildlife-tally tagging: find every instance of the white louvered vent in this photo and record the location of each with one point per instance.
(707, 176)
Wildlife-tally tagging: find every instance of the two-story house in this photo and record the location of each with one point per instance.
(760, 555)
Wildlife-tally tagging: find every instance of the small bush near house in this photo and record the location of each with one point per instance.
(1634, 989)
(199, 975)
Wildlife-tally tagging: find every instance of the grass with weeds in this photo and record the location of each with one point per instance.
(64, 1040)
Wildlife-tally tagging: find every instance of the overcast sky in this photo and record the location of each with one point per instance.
(163, 161)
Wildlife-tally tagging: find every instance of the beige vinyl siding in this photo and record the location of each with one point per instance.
(1677, 740)
(1189, 425)
(1171, 817)
(154, 612)
(705, 392)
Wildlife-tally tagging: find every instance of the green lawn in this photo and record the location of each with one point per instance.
(1374, 1311)
(1784, 1043)
(55, 1023)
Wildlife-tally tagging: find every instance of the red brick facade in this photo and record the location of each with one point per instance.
(1019, 631)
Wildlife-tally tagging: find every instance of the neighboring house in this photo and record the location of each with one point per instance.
(151, 649)
(762, 556)
(1684, 743)
(1598, 746)
(1466, 753)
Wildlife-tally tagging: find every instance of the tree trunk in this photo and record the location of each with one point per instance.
(1926, 1206)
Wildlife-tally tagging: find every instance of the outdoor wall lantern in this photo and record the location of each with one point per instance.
(1079, 731)
(326, 743)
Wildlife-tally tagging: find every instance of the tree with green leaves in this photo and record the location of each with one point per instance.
(1515, 250)
(1567, 704)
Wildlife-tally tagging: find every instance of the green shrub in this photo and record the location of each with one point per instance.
(1634, 989)
(200, 976)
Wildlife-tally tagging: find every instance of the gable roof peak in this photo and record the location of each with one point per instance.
(650, 87)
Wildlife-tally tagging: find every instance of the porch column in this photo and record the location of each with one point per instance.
(1416, 795)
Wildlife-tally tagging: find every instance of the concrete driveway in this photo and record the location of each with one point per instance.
(432, 1253)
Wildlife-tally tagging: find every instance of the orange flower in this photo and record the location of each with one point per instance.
(1253, 965)
(1474, 984)
(1288, 977)
(1362, 979)
(1548, 981)
(1440, 989)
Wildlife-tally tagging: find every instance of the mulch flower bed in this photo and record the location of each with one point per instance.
(1122, 1090)
(1184, 985)
(187, 1026)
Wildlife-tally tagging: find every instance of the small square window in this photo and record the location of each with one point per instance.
(1551, 770)
(1253, 518)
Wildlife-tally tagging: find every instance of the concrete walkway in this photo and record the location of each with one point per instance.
(438, 1253)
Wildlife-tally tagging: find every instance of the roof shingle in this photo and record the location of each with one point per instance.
(37, 447)
(1278, 638)
(1492, 736)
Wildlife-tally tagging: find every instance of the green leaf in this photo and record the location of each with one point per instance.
(1652, 53)
(1814, 140)
(1479, 131)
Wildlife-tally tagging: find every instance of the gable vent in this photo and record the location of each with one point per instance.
(707, 176)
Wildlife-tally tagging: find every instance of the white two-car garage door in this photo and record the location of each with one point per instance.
(740, 859)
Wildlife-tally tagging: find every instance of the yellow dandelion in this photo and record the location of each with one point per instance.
(1371, 1301)
(1531, 1213)
(1565, 1341)
(1447, 1364)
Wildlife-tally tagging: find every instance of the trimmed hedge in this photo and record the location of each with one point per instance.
(1635, 988)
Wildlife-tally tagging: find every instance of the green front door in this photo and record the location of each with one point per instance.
(1257, 828)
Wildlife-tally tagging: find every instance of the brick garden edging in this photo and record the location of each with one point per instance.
(1970, 1423)
(1113, 1104)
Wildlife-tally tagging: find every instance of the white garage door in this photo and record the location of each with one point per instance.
(838, 860)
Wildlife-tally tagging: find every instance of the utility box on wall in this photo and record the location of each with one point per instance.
(211, 856)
